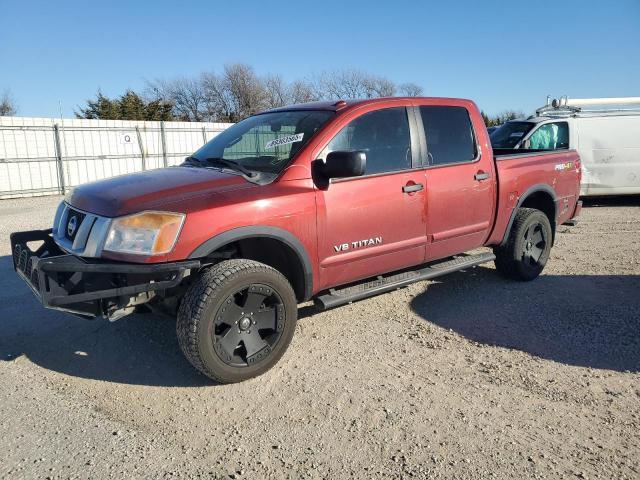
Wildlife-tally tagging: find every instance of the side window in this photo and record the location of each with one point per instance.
(383, 135)
(550, 136)
(450, 137)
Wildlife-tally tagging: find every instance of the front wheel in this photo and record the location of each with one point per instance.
(236, 320)
(528, 246)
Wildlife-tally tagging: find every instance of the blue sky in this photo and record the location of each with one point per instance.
(500, 54)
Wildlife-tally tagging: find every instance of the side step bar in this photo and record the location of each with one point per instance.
(336, 298)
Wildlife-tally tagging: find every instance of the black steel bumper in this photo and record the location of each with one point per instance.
(87, 287)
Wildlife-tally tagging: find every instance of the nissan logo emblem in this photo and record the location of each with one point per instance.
(72, 225)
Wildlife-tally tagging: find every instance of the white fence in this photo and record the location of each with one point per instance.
(44, 156)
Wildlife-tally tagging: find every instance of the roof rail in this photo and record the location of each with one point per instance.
(565, 105)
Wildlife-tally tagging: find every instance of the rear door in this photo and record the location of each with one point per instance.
(460, 182)
(374, 223)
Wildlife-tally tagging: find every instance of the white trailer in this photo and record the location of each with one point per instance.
(606, 135)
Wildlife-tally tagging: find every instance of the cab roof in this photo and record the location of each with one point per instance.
(339, 105)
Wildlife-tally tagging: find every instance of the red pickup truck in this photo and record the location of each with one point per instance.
(331, 201)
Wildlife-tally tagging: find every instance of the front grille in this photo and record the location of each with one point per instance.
(74, 220)
(85, 236)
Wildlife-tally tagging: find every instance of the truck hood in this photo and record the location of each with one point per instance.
(153, 189)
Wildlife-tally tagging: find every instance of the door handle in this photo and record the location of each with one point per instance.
(481, 176)
(414, 187)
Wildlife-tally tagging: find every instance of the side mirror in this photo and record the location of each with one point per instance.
(344, 164)
(338, 164)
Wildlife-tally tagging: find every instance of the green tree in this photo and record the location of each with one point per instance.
(501, 117)
(485, 118)
(7, 104)
(129, 106)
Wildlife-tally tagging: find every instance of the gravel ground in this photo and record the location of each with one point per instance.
(470, 376)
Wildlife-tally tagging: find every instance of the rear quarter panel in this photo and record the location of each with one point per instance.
(520, 175)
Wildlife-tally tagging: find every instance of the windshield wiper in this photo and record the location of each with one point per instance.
(193, 162)
(220, 161)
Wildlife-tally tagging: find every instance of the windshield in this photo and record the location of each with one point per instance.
(263, 144)
(509, 134)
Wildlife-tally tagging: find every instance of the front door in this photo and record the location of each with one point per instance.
(375, 223)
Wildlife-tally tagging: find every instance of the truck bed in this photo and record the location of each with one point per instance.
(523, 173)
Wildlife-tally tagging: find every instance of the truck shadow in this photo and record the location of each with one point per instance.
(583, 320)
(612, 201)
(590, 321)
(140, 349)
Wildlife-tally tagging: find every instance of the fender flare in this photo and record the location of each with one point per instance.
(257, 231)
(540, 187)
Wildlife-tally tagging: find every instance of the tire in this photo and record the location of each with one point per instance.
(236, 320)
(527, 250)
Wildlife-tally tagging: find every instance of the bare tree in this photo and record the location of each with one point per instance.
(186, 94)
(237, 92)
(220, 104)
(277, 92)
(502, 117)
(410, 90)
(378, 86)
(219, 101)
(301, 91)
(8, 106)
(352, 83)
(246, 89)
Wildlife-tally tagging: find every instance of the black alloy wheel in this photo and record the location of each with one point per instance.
(236, 320)
(528, 246)
(535, 244)
(248, 324)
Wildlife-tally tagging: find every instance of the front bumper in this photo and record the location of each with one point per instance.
(89, 287)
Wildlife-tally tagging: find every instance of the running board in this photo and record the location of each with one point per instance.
(336, 298)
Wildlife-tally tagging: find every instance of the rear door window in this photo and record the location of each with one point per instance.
(449, 133)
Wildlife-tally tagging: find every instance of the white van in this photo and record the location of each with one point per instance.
(606, 137)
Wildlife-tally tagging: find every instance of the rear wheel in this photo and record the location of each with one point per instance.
(528, 246)
(236, 320)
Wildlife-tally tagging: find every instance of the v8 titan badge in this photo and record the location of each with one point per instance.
(367, 242)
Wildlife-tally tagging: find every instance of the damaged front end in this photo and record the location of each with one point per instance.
(90, 287)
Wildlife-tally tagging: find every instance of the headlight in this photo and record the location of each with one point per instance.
(146, 233)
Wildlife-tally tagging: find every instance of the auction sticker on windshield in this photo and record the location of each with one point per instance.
(284, 140)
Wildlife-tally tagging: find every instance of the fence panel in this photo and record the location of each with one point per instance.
(32, 163)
